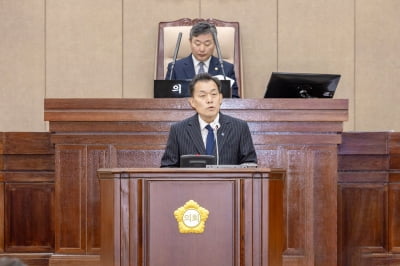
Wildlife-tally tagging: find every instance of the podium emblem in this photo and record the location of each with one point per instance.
(191, 218)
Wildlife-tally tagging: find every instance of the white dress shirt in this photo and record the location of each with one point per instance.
(196, 64)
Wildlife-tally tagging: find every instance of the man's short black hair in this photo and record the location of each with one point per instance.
(204, 77)
(202, 27)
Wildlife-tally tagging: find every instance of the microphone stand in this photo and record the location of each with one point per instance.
(221, 62)
(178, 43)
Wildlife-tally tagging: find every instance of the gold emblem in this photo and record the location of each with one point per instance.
(191, 218)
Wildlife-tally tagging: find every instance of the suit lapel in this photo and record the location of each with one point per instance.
(222, 133)
(193, 130)
(214, 67)
(189, 67)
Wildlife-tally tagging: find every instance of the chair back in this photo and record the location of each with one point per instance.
(228, 39)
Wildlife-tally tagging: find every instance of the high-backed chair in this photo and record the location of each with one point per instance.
(228, 39)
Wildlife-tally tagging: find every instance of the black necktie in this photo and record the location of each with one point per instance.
(210, 140)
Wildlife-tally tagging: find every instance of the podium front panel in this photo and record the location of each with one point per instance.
(216, 246)
(196, 217)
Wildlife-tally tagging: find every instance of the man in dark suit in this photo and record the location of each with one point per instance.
(235, 144)
(201, 60)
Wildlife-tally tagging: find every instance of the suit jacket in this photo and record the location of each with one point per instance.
(184, 69)
(235, 144)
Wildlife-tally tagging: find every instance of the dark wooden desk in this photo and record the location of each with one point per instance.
(242, 216)
(299, 135)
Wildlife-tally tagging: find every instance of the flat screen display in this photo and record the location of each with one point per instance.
(301, 85)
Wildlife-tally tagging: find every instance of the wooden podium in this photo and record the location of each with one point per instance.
(298, 135)
(191, 216)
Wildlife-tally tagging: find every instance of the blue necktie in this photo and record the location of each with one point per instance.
(210, 140)
(201, 68)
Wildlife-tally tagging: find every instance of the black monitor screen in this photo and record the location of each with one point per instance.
(198, 160)
(301, 85)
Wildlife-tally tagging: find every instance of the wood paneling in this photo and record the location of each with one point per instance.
(78, 197)
(362, 220)
(27, 195)
(29, 217)
(97, 157)
(394, 195)
(394, 218)
(2, 233)
(70, 200)
(368, 196)
(367, 193)
(297, 135)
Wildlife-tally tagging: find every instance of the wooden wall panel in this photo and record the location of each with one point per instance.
(394, 218)
(368, 196)
(27, 196)
(70, 200)
(30, 217)
(130, 156)
(298, 160)
(362, 221)
(394, 150)
(23, 162)
(98, 156)
(27, 143)
(78, 197)
(2, 233)
(1, 192)
(394, 194)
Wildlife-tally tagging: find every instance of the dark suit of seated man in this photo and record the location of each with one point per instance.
(235, 144)
(202, 46)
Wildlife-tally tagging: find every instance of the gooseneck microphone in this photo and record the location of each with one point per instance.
(178, 43)
(221, 62)
(216, 142)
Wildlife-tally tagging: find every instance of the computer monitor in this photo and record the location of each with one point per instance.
(197, 160)
(301, 85)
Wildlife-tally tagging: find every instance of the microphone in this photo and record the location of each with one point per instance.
(221, 62)
(178, 43)
(216, 141)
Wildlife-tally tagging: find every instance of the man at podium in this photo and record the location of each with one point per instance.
(209, 131)
(201, 60)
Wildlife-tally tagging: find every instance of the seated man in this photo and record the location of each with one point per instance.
(201, 60)
(235, 144)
